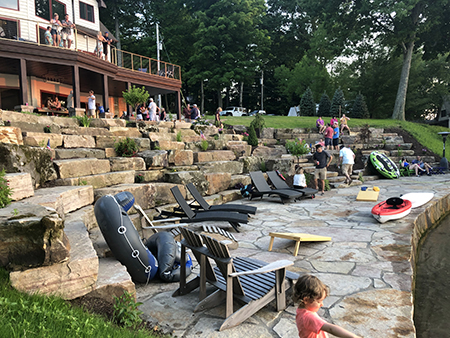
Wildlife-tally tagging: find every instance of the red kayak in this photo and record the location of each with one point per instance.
(392, 208)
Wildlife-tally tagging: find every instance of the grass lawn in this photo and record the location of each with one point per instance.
(23, 315)
(426, 134)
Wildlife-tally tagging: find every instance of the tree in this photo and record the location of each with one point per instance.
(252, 138)
(135, 96)
(406, 25)
(324, 105)
(337, 104)
(360, 108)
(307, 104)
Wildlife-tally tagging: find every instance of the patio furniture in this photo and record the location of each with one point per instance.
(252, 283)
(263, 188)
(245, 209)
(279, 183)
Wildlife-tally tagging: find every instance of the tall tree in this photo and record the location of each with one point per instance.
(324, 105)
(307, 104)
(337, 104)
(403, 24)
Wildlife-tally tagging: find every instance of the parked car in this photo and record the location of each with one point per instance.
(254, 112)
(234, 111)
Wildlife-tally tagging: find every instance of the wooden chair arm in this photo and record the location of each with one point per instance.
(266, 268)
(168, 226)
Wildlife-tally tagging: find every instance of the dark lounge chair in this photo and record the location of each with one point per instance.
(279, 183)
(243, 209)
(242, 280)
(234, 218)
(263, 188)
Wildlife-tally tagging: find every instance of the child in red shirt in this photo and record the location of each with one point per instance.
(309, 293)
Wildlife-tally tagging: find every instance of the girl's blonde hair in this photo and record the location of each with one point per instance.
(309, 287)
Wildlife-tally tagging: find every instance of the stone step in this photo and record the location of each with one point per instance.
(71, 279)
(126, 163)
(397, 146)
(403, 153)
(332, 174)
(336, 179)
(214, 155)
(65, 154)
(145, 194)
(21, 185)
(99, 180)
(63, 199)
(11, 135)
(81, 167)
(104, 142)
(341, 185)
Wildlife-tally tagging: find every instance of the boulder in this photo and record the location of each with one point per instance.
(81, 167)
(232, 167)
(110, 152)
(85, 131)
(21, 185)
(163, 194)
(64, 154)
(207, 130)
(32, 236)
(126, 163)
(214, 155)
(33, 160)
(217, 182)
(239, 179)
(267, 152)
(240, 148)
(154, 158)
(393, 139)
(41, 139)
(400, 146)
(185, 177)
(11, 135)
(251, 163)
(99, 180)
(144, 193)
(283, 165)
(151, 175)
(78, 141)
(168, 145)
(232, 137)
(107, 123)
(124, 131)
(181, 157)
(69, 280)
(267, 133)
(155, 137)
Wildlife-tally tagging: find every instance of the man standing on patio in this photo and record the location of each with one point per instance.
(347, 160)
(322, 160)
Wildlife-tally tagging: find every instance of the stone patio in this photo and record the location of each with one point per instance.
(367, 265)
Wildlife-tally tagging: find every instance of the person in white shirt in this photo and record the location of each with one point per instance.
(91, 104)
(299, 178)
(152, 110)
(347, 159)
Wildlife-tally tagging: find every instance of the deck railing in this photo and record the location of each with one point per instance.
(27, 31)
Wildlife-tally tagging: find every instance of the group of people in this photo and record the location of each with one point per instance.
(332, 131)
(60, 33)
(151, 112)
(103, 41)
(191, 114)
(417, 165)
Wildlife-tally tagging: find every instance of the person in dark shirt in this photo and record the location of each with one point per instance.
(322, 160)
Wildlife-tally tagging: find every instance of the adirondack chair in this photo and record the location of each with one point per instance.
(249, 282)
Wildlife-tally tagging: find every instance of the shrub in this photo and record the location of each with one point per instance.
(297, 147)
(5, 190)
(179, 136)
(139, 178)
(84, 120)
(204, 145)
(126, 312)
(258, 122)
(126, 147)
(252, 139)
(135, 96)
(263, 166)
(307, 104)
(47, 129)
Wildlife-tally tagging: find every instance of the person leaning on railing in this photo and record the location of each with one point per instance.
(56, 29)
(67, 31)
(48, 36)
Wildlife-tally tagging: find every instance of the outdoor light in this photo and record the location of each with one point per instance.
(444, 162)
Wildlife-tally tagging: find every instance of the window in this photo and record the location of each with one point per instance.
(86, 12)
(46, 8)
(8, 29)
(11, 4)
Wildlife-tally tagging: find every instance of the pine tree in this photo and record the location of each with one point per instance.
(324, 105)
(307, 104)
(252, 139)
(337, 102)
(360, 108)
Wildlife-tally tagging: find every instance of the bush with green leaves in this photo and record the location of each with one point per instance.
(204, 145)
(297, 147)
(360, 108)
(307, 104)
(135, 96)
(126, 147)
(324, 105)
(5, 190)
(126, 312)
(338, 102)
(252, 139)
(84, 121)
(179, 137)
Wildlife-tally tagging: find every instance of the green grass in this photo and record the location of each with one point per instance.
(426, 134)
(23, 315)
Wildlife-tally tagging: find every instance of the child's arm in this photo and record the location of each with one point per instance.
(337, 331)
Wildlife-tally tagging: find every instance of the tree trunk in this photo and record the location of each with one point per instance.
(399, 107)
(241, 94)
(219, 99)
(202, 104)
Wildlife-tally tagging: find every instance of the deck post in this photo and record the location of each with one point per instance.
(76, 86)
(23, 82)
(105, 92)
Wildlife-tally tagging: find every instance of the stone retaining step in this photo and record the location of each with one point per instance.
(65, 154)
(69, 280)
(21, 185)
(336, 179)
(341, 185)
(81, 167)
(63, 199)
(99, 180)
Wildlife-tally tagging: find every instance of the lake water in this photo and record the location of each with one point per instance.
(432, 295)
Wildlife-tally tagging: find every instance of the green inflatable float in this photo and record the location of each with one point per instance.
(384, 165)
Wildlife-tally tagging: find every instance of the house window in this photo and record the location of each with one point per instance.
(46, 8)
(11, 4)
(86, 12)
(8, 29)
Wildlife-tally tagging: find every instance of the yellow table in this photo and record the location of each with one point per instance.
(298, 238)
(369, 195)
